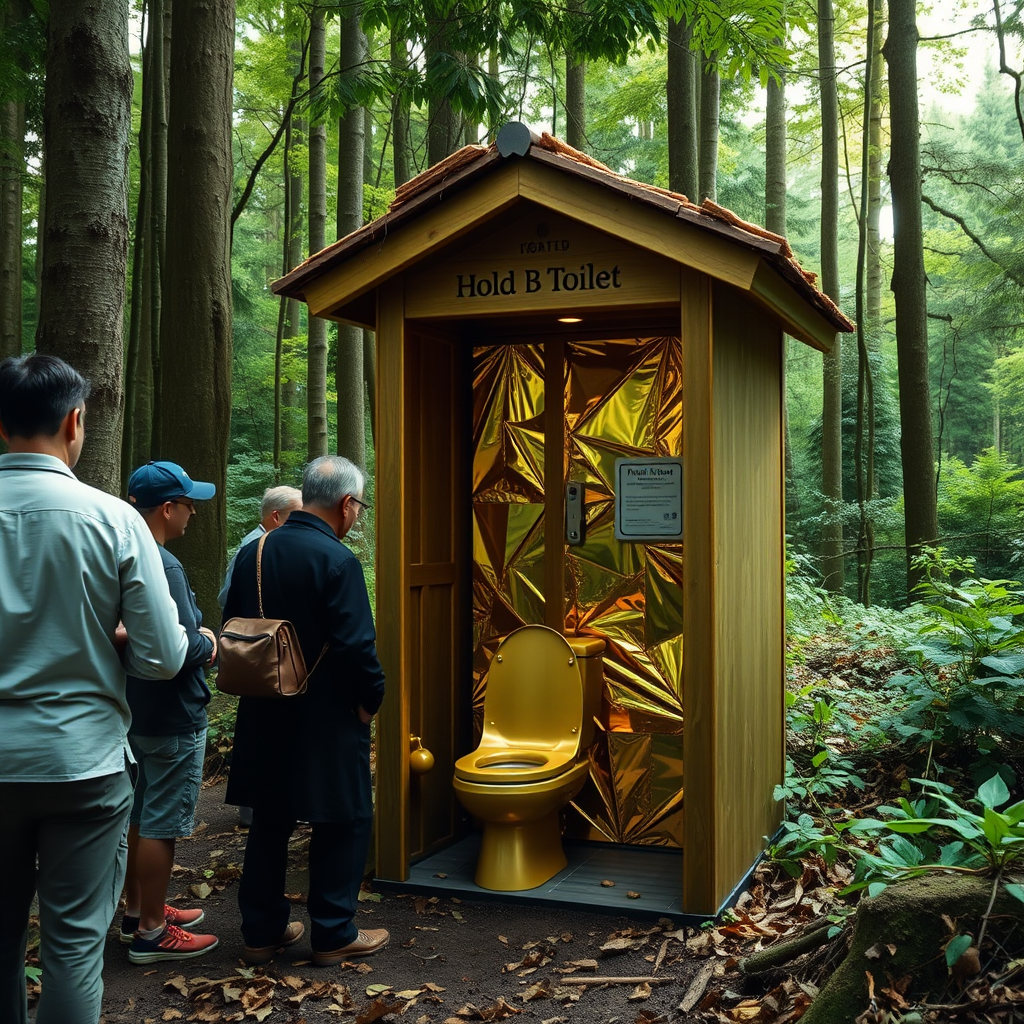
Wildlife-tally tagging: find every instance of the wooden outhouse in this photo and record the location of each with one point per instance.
(542, 322)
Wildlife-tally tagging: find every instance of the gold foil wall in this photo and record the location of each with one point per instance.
(621, 399)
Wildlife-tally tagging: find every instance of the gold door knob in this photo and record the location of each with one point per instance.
(421, 760)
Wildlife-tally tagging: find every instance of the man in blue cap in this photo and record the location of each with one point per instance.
(168, 738)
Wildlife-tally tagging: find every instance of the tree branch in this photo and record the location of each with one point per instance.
(957, 219)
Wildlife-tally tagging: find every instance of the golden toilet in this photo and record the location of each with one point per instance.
(543, 691)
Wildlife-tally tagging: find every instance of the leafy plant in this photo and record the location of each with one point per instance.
(967, 683)
(985, 842)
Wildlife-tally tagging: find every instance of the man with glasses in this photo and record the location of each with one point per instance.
(307, 758)
(168, 738)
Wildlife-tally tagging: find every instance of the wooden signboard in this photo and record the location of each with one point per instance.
(545, 261)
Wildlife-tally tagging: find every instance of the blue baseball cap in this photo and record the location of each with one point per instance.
(157, 482)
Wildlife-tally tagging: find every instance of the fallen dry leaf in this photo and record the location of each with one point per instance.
(607, 883)
(630, 895)
(171, 1014)
(200, 890)
(380, 1007)
(538, 990)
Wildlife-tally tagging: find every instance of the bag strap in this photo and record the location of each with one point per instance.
(259, 569)
(259, 591)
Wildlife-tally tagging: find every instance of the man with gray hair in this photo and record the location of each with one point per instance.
(277, 505)
(307, 758)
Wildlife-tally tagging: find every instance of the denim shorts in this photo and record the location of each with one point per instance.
(170, 774)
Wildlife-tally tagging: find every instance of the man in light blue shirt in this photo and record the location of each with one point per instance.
(75, 563)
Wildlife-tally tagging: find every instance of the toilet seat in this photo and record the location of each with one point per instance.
(497, 766)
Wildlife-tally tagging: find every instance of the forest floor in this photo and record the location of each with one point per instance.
(455, 962)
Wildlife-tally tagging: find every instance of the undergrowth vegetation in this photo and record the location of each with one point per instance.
(905, 729)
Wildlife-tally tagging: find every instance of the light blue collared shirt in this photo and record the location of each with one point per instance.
(73, 562)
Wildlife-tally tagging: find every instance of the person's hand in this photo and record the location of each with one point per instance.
(213, 638)
(364, 716)
(120, 639)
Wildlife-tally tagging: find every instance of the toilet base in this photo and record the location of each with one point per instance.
(520, 856)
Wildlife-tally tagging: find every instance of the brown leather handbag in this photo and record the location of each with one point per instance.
(261, 657)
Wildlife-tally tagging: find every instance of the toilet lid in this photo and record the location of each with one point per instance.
(534, 695)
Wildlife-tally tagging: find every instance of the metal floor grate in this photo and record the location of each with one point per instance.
(656, 873)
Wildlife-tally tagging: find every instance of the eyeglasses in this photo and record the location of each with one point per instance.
(188, 502)
(362, 504)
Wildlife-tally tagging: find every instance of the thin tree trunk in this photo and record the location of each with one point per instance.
(196, 316)
(348, 372)
(775, 157)
(709, 114)
(873, 291)
(399, 111)
(85, 262)
(864, 462)
(370, 378)
(316, 363)
(576, 90)
(682, 110)
(12, 171)
(131, 374)
(444, 125)
(162, 16)
(908, 285)
(832, 362)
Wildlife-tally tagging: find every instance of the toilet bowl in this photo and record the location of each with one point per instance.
(543, 691)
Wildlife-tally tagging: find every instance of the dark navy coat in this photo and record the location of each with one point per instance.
(308, 757)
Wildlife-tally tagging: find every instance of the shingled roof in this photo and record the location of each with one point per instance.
(471, 163)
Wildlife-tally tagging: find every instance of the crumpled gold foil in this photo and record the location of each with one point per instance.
(622, 398)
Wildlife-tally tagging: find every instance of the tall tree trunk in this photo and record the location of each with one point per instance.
(576, 90)
(444, 125)
(295, 183)
(131, 373)
(873, 290)
(908, 285)
(832, 362)
(864, 461)
(316, 362)
(162, 16)
(707, 185)
(775, 220)
(348, 371)
(399, 110)
(12, 170)
(87, 122)
(196, 317)
(682, 110)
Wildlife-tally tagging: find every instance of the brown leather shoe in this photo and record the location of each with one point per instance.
(256, 955)
(367, 942)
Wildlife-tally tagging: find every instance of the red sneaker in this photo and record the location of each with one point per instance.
(173, 943)
(181, 918)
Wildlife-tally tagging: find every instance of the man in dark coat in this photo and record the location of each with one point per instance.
(307, 758)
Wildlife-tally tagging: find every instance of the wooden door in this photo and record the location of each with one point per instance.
(423, 616)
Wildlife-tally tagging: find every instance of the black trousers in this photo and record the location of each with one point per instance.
(337, 857)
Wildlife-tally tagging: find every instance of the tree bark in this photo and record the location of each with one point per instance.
(87, 123)
(576, 90)
(709, 113)
(775, 157)
(196, 317)
(832, 362)
(873, 274)
(682, 110)
(295, 184)
(908, 286)
(444, 125)
(348, 372)
(12, 170)
(162, 16)
(316, 360)
(131, 374)
(399, 111)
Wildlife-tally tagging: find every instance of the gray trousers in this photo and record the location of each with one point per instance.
(76, 832)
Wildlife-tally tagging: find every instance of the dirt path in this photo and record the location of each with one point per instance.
(447, 960)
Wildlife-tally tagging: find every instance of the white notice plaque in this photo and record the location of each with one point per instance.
(649, 499)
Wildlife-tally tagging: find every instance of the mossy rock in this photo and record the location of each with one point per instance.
(901, 932)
